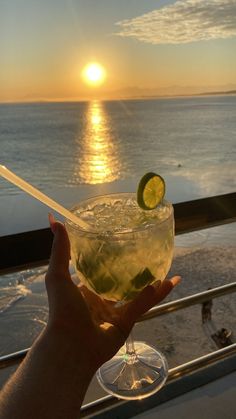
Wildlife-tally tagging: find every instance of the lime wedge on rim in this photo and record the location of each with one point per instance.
(151, 190)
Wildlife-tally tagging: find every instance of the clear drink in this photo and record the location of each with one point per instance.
(124, 247)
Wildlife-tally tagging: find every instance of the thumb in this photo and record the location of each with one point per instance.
(60, 253)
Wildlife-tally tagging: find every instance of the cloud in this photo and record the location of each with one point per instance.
(183, 22)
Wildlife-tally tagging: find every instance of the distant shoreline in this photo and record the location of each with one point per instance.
(144, 97)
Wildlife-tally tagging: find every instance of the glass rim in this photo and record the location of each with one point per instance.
(116, 233)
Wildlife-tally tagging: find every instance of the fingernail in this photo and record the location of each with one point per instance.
(52, 222)
(176, 280)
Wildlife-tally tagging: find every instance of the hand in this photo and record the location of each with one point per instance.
(82, 333)
(95, 327)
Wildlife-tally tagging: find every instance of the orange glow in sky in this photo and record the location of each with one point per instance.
(80, 50)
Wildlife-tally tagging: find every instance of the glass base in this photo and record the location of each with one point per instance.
(134, 376)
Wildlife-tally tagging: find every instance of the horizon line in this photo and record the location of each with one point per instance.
(126, 98)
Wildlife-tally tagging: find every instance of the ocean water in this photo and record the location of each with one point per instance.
(63, 145)
(68, 144)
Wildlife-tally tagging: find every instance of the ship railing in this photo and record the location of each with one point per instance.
(30, 249)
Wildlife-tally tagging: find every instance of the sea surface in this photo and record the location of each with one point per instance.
(190, 141)
(68, 144)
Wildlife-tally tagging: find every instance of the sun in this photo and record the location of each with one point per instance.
(94, 74)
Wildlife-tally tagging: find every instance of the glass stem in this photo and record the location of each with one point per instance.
(130, 350)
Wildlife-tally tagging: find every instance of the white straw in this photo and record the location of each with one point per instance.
(22, 184)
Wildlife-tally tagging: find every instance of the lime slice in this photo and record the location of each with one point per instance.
(151, 190)
(142, 279)
(103, 284)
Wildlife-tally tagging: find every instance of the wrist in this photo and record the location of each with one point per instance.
(51, 381)
(70, 368)
(70, 350)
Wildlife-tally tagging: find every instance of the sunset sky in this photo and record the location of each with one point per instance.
(147, 48)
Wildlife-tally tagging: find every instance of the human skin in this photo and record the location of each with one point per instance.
(83, 332)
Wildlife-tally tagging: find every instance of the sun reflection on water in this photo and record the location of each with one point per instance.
(97, 158)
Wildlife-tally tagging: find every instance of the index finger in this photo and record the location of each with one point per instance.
(149, 297)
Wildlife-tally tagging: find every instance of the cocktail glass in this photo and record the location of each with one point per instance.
(124, 249)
